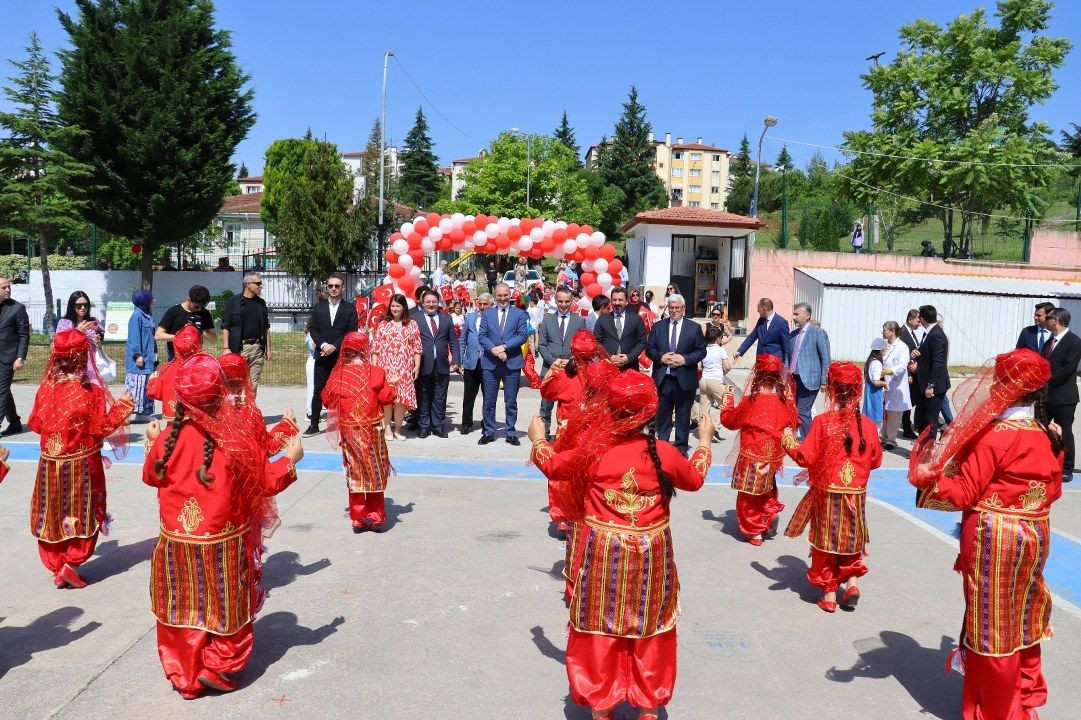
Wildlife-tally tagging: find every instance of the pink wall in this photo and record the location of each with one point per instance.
(773, 270)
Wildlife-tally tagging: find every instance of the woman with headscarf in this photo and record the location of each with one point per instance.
(839, 453)
(355, 395)
(161, 384)
(1000, 463)
(141, 355)
(74, 414)
(619, 482)
(215, 496)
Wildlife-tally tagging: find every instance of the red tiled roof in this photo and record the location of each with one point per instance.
(446, 171)
(243, 203)
(694, 216)
(251, 180)
(698, 146)
(467, 160)
(353, 154)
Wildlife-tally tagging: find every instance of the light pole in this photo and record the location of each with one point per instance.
(784, 206)
(382, 157)
(528, 160)
(769, 122)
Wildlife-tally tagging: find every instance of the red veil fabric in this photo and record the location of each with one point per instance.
(768, 371)
(350, 381)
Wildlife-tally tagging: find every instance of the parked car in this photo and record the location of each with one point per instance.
(532, 277)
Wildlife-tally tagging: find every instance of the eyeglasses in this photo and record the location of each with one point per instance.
(253, 282)
(716, 314)
(82, 304)
(334, 286)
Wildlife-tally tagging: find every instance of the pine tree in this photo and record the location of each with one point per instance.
(742, 166)
(242, 172)
(419, 185)
(565, 134)
(784, 159)
(157, 90)
(36, 177)
(628, 162)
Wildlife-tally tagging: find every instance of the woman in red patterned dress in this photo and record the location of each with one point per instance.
(1000, 463)
(619, 483)
(396, 349)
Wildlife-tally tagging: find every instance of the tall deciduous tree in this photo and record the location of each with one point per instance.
(565, 134)
(951, 116)
(628, 161)
(307, 200)
(420, 184)
(35, 175)
(157, 92)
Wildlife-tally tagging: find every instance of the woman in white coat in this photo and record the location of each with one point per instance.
(895, 372)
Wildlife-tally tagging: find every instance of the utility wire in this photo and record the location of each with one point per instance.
(432, 104)
(850, 151)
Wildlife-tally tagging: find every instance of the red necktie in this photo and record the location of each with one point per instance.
(435, 328)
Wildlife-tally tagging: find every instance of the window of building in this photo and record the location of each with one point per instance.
(696, 188)
(696, 173)
(677, 172)
(716, 158)
(714, 206)
(696, 157)
(677, 196)
(677, 155)
(232, 235)
(660, 164)
(695, 203)
(716, 175)
(253, 189)
(715, 189)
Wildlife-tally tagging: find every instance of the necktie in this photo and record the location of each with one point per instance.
(1040, 340)
(502, 319)
(1049, 347)
(434, 324)
(562, 327)
(792, 366)
(672, 339)
(619, 324)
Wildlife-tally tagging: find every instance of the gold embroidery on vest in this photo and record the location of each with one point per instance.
(1034, 497)
(951, 469)
(993, 501)
(847, 473)
(190, 516)
(789, 441)
(54, 445)
(628, 502)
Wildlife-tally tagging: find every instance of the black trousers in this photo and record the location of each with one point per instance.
(7, 402)
(474, 383)
(906, 422)
(432, 400)
(323, 366)
(927, 411)
(546, 406)
(674, 400)
(1063, 415)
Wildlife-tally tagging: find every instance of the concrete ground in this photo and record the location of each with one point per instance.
(456, 611)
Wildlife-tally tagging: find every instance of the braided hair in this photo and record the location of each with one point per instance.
(571, 368)
(202, 473)
(1039, 410)
(843, 400)
(668, 489)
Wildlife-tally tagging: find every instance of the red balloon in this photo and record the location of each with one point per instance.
(548, 245)
(391, 256)
(608, 252)
(433, 218)
(469, 227)
(616, 281)
(457, 237)
(587, 278)
(573, 229)
(593, 290)
(536, 253)
(396, 236)
(577, 256)
(395, 270)
(418, 257)
(559, 235)
(502, 241)
(422, 226)
(614, 266)
(444, 244)
(587, 229)
(414, 240)
(514, 232)
(481, 221)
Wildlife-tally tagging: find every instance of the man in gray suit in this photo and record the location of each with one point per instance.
(556, 331)
(14, 343)
(810, 357)
(470, 353)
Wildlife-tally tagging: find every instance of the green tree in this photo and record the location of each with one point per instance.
(157, 92)
(743, 166)
(35, 174)
(242, 172)
(420, 184)
(783, 158)
(565, 134)
(1071, 144)
(951, 116)
(628, 161)
(308, 194)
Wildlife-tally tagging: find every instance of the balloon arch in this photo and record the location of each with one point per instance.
(533, 238)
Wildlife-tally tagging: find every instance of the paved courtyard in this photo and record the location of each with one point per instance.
(456, 611)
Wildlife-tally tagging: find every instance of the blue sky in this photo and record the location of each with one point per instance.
(710, 69)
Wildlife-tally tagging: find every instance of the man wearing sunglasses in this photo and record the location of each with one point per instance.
(330, 321)
(245, 327)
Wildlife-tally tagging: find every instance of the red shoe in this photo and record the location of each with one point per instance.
(72, 577)
(756, 541)
(60, 582)
(217, 681)
(828, 605)
(188, 694)
(850, 598)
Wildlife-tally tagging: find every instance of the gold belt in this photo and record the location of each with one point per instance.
(228, 534)
(845, 491)
(71, 456)
(1010, 512)
(615, 527)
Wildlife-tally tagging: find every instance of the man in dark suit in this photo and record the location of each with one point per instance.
(621, 332)
(503, 330)
(676, 346)
(932, 373)
(554, 343)
(911, 335)
(1034, 337)
(470, 352)
(439, 357)
(771, 333)
(14, 343)
(330, 321)
(1063, 351)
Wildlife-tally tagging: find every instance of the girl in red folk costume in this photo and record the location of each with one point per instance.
(1000, 463)
(74, 414)
(623, 611)
(768, 407)
(840, 451)
(214, 490)
(161, 385)
(238, 385)
(355, 395)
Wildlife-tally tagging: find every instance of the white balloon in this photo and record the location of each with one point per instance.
(408, 300)
(600, 265)
(427, 244)
(491, 230)
(585, 303)
(388, 280)
(503, 224)
(415, 271)
(512, 250)
(418, 218)
(587, 265)
(436, 234)
(548, 227)
(597, 238)
(536, 234)
(525, 243)
(569, 246)
(407, 228)
(515, 221)
(479, 238)
(400, 246)
(582, 240)
(467, 245)
(561, 224)
(406, 261)
(604, 280)
(457, 219)
(446, 225)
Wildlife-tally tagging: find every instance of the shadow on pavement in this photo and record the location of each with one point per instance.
(728, 524)
(395, 512)
(547, 648)
(790, 574)
(275, 635)
(282, 568)
(113, 559)
(556, 571)
(50, 631)
(920, 671)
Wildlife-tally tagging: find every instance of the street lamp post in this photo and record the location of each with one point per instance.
(784, 206)
(382, 157)
(528, 161)
(768, 122)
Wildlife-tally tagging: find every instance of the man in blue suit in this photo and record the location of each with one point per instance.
(676, 345)
(439, 357)
(470, 353)
(771, 333)
(808, 363)
(1034, 337)
(502, 332)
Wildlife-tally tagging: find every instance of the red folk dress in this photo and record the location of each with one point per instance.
(835, 506)
(202, 568)
(162, 388)
(625, 601)
(67, 509)
(394, 348)
(1004, 484)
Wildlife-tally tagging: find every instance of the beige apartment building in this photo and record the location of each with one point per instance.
(694, 174)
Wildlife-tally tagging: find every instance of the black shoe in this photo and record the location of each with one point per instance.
(485, 439)
(439, 432)
(909, 436)
(424, 433)
(466, 428)
(888, 446)
(513, 440)
(312, 431)
(1067, 478)
(12, 429)
(358, 529)
(414, 427)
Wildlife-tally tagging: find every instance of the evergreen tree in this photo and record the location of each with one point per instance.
(35, 175)
(784, 158)
(242, 172)
(742, 166)
(1071, 143)
(157, 91)
(629, 160)
(565, 134)
(419, 185)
